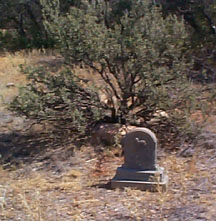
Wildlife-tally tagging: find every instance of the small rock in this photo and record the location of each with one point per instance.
(187, 153)
(108, 134)
(5, 118)
(10, 85)
(207, 140)
(104, 134)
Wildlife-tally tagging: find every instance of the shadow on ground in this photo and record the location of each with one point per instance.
(21, 149)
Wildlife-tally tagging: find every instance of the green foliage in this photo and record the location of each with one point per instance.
(57, 98)
(200, 18)
(141, 58)
(11, 40)
(23, 19)
(200, 15)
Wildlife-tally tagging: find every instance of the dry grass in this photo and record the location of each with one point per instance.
(24, 195)
(39, 195)
(79, 193)
(10, 75)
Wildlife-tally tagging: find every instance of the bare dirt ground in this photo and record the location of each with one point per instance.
(40, 180)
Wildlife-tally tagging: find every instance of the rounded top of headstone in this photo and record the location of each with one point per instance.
(140, 146)
(144, 131)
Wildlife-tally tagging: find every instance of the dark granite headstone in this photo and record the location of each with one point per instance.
(140, 146)
(140, 167)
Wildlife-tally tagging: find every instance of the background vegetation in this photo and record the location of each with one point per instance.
(147, 58)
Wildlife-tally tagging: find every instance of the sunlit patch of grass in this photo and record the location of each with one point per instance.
(10, 73)
(4, 188)
(3, 202)
(32, 207)
(182, 174)
(38, 181)
(10, 76)
(27, 192)
(70, 181)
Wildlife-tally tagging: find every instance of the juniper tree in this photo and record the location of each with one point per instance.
(140, 56)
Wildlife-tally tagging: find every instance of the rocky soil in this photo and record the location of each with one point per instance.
(43, 181)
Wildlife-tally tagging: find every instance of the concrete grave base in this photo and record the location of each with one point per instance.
(150, 180)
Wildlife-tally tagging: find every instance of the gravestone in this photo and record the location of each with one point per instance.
(140, 169)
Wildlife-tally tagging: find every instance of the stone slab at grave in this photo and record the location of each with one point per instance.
(140, 169)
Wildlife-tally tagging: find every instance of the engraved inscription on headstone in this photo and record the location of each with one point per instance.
(140, 169)
(140, 146)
